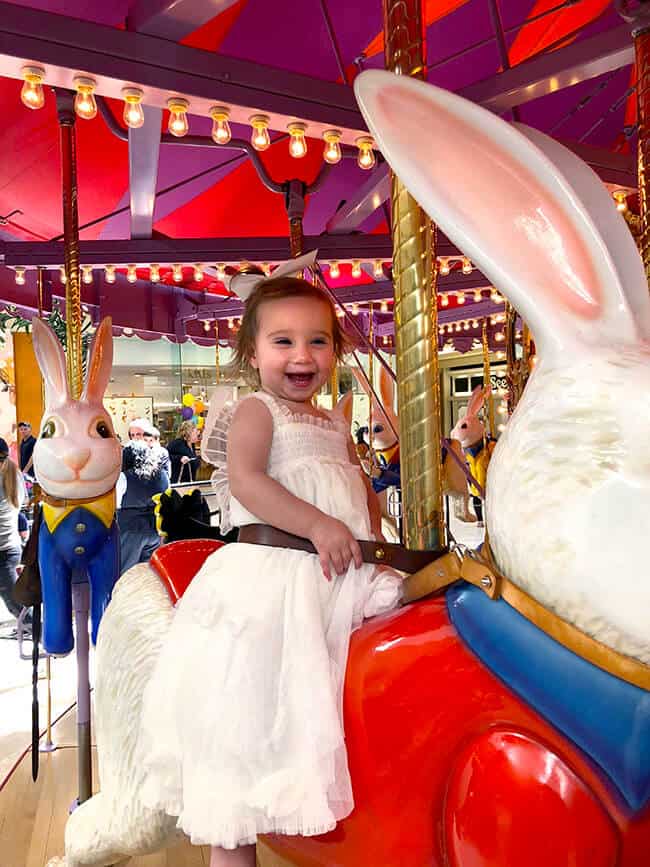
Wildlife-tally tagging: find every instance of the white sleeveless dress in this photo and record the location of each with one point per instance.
(242, 721)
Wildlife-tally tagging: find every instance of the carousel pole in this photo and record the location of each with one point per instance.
(416, 315)
(74, 358)
(487, 376)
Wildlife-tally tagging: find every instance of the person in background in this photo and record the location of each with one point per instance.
(27, 443)
(23, 528)
(12, 496)
(152, 439)
(143, 475)
(184, 460)
(138, 427)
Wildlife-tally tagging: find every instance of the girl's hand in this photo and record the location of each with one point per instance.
(335, 544)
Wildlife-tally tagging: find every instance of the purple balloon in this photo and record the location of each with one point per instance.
(187, 412)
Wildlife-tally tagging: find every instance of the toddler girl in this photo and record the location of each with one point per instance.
(243, 716)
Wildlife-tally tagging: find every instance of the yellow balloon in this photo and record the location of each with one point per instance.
(188, 399)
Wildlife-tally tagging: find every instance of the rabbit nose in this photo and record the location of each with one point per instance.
(76, 459)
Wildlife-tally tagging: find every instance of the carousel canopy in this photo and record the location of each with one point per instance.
(200, 123)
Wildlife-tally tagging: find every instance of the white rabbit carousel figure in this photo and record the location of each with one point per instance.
(500, 741)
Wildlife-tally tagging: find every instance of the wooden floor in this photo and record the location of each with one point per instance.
(33, 815)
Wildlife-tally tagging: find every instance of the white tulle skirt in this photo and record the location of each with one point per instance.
(242, 724)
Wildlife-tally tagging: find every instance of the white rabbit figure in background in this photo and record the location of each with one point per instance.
(469, 431)
(568, 492)
(77, 461)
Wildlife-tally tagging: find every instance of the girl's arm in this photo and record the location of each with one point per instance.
(249, 445)
(374, 509)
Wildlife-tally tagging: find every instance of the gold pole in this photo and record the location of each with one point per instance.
(642, 52)
(334, 385)
(489, 431)
(39, 284)
(371, 379)
(416, 325)
(217, 362)
(71, 245)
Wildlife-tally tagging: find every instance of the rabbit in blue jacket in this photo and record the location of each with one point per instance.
(77, 461)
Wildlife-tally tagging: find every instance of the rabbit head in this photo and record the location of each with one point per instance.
(568, 488)
(385, 424)
(77, 454)
(469, 429)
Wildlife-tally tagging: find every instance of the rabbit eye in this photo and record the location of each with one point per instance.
(377, 428)
(463, 426)
(49, 429)
(103, 430)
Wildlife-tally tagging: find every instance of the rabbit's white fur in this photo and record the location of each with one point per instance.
(75, 462)
(568, 490)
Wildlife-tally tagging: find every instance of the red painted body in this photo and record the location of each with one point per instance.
(450, 768)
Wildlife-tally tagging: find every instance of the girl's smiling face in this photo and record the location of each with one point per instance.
(294, 351)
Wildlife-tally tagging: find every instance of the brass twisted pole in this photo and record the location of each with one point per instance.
(416, 325)
(74, 356)
(642, 53)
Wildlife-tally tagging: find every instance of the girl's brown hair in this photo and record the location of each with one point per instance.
(9, 472)
(274, 290)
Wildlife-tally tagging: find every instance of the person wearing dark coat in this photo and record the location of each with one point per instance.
(184, 459)
(143, 476)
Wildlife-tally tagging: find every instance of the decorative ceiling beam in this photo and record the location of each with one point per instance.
(68, 46)
(173, 19)
(365, 201)
(167, 251)
(548, 73)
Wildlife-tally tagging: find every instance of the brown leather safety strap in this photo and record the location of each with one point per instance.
(64, 502)
(481, 571)
(379, 553)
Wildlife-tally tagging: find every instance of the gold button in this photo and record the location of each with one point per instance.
(80, 528)
(379, 553)
(80, 549)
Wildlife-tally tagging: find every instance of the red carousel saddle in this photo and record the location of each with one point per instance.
(178, 562)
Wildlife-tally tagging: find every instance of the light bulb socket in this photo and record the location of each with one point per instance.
(178, 104)
(332, 135)
(259, 121)
(84, 84)
(33, 74)
(132, 95)
(219, 112)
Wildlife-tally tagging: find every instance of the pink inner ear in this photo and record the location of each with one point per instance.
(468, 179)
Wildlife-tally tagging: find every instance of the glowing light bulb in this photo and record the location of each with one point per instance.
(109, 273)
(620, 197)
(335, 271)
(154, 273)
(198, 272)
(340, 312)
(260, 138)
(355, 309)
(133, 114)
(178, 123)
(206, 324)
(465, 326)
(383, 307)
(356, 268)
(20, 276)
(366, 158)
(221, 272)
(457, 327)
(474, 323)
(221, 133)
(266, 268)
(131, 273)
(499, 337)
(444, 301)
(231, 322)
(332, 150)
(494, 296)
(87, 274)
(177, 273)
(63, 277)
(32, 94)
(444, 267)
(467, 266)
(84, 102)
(478, 295)
(460, 298)
(128, 331)
(297, 143)
(386, 340)
(378, 269)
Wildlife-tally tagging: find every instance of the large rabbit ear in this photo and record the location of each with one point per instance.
(611, 225)
(100, 362)
(344, 407)
(360, 378)
(477, 399)
(505, 205)
(51, 360)
(387, 390)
